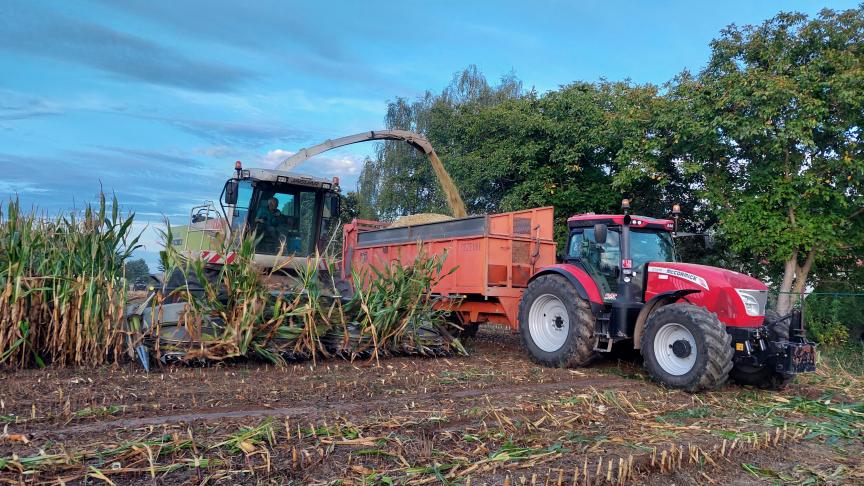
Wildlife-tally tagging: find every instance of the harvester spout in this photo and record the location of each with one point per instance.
(419, 142)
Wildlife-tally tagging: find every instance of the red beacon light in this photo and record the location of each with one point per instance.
(238, 165)
(335, 181)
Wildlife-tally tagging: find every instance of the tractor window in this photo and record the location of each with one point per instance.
(602, 261)
(574, 249)
(646, 247)
(650, 246)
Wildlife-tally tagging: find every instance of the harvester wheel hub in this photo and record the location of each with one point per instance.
(675, 349)
(549, 323)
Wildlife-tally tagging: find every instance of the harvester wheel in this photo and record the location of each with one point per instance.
(687, 347)
(763, 376)
(555, 323)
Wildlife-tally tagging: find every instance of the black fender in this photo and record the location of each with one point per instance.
(658, 300)
(596, 305)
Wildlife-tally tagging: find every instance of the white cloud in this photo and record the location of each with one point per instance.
(336, 165)
(272, 158)
(320, 165)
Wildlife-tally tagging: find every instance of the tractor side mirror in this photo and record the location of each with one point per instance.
(600, 232)
(709, 241)
(231, 189)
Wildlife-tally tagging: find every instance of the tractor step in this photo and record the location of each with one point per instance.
(603, 344)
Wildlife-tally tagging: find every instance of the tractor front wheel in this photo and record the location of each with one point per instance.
(555, 323)
(687, 347)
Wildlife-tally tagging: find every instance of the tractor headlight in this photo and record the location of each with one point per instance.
(753, 300)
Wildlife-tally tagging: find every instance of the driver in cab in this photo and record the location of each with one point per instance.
(269, 216)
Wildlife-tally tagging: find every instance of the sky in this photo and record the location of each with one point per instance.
(154, 100)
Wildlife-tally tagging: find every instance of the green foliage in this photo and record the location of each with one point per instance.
(762, 147)
(849, 357)
(829, 317)
(400, 180)
(394, 306)
(137, 270)
(772, 126)
(232, 310)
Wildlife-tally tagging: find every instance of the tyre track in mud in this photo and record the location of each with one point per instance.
(353, 406)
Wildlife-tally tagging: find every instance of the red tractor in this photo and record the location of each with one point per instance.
(618, 284)
(695, 325)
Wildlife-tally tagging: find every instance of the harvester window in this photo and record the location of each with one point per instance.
(330, 219)
(241, 209)
(285, 221)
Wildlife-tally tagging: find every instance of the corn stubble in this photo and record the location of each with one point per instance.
(61, 285)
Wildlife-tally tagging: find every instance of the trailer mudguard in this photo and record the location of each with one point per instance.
(658, 300)
(581, 281)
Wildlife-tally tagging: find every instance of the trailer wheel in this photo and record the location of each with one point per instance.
(556, 324)
(764, 376)
(687, 347)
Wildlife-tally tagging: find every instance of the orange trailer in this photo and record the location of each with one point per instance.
(494, 256)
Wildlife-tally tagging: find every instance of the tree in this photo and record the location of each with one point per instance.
(400, 180)
(137, 269)
(773, 126)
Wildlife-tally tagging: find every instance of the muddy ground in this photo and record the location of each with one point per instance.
(491, 418)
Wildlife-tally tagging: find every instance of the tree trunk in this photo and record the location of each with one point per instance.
(794, 281)
(784, 301)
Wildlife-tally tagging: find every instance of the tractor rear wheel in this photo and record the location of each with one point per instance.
(687, 347)
(555, 323)
(764, 376)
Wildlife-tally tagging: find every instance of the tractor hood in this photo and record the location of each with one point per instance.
(737, 299)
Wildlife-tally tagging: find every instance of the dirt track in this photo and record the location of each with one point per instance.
(492, 416)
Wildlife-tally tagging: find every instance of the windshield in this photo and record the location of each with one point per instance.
(603, 261)
(650, 246)
(285, 221)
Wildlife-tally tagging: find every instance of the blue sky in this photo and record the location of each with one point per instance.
(154, 100)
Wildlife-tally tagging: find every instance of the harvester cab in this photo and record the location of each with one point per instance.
(292, 215)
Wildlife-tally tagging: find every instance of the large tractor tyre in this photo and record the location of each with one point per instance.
(685, 346)
(764, 376)
(556, 325)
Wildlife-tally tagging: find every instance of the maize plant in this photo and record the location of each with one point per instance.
(231, 311)
(62, 291)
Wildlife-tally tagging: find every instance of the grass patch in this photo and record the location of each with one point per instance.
(677, 416)
(97, 411)
(848, 357)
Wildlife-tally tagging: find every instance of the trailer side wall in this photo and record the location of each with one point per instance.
(491, 257)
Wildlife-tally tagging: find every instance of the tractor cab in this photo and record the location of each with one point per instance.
(598, 244)
(291, 214)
